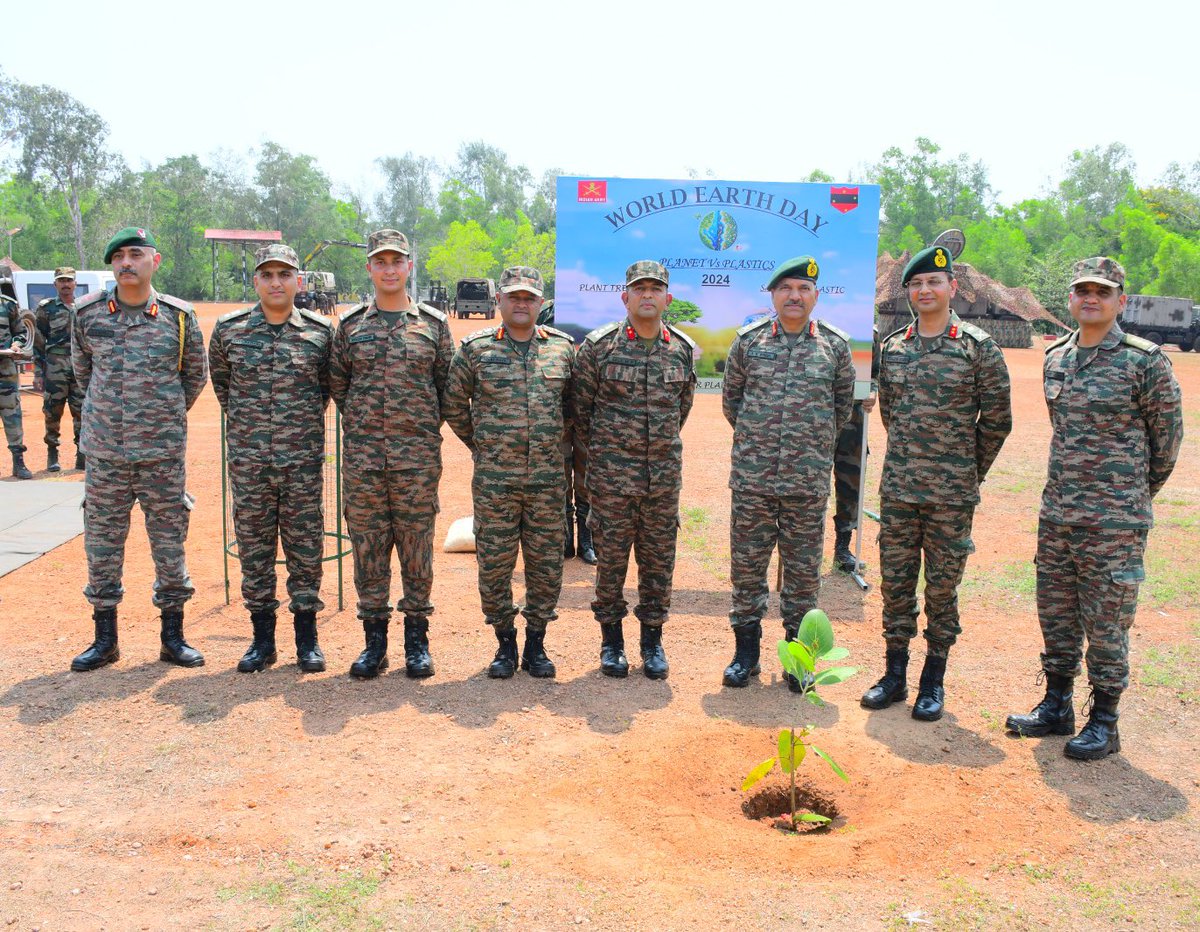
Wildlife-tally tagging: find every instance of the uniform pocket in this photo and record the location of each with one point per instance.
(615, 373)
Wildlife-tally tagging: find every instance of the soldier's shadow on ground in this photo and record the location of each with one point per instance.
(1109, 790)
(47, 698)
(767, 703)
(930, 743)
(210, 697)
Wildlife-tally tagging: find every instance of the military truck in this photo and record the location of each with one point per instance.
(475, 296)
(318, 291)
(1163, 320)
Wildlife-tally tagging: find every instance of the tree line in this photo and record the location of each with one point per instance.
(67, 190)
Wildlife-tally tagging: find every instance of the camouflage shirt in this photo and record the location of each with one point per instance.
(388, 383)
(786, 404)
(139, 374)
(947, 410)
(54, 328)
(630, 405)
(511, 408)
(273, 385)
(1117, 423)
(10, 326)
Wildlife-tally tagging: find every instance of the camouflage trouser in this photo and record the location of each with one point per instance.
(529, 519)
(847, 472)
(272, 504)
(943, 534)
(575, 469)
(60, 390)
(386, 510)
(1087, 586)
(649, 525)
(110, 489)
(10, 412)
(756, 524)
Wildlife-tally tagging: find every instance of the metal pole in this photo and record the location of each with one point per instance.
(214, 269)
(857, 575)
(245, 276)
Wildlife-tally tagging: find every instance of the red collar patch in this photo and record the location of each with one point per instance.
(812, 328)
(666, 334)
(500, 332)
(909, 332)
(953, 332)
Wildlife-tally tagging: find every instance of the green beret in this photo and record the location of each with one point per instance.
(931, 259)
(801, 267)
(130, 236)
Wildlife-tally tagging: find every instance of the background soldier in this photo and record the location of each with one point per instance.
(270, 372)
(387, 374)
(1117, 422)
(847, 474)
(944, 398)
(60, 388)
(789, 385)
(10, 388)
(634, 385)
(139, 358)
(508, 397)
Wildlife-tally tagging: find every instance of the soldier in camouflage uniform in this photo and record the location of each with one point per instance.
(1117, 421)
(847, 474)
(387, 374)
(60, 389)
(789, 385)
(508, 398)
(139, 358)
(270, 370)
(944, 398)
(634, 384)
(10, 388)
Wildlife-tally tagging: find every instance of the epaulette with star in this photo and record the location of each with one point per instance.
(234, 315)
(555, 332)
(1059, 342)
(974, 330)
(601, 332)
(478, 335)
(41, 304)
(316, 317)
(1141, 343)
(679, 333)
(431, 311)
(89, 299)
(836, 331)
(357, 309)
(754, 325)
(173, 302)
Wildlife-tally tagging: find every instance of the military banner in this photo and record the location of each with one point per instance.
(720, 241)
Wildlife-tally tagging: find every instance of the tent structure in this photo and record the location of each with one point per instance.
(234, 239)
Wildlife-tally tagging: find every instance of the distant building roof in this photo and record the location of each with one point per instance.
(7, 262)
(244, 236)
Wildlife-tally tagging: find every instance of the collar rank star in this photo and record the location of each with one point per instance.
(629, 333)
(500, 332)
(151, 310)
(953, 334)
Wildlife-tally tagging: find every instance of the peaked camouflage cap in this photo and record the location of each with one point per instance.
(521, 278)
(930, 259)
(804, 267)
(387, 241)
(276, 252)
(64, 271)
(646, 268)
(1101, 270)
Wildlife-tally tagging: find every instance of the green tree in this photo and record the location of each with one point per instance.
(407, 191)
(1097, 180)
(465, 253)
(682, 312)
(1178, 264)
(999, 249)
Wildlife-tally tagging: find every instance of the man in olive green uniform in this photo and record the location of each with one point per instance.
(10, 388)
(634, 385)
(60, 388)
(944, 399)
(789, 385)
(1117, 420)
(508, 398)
(269, 366)
(387, 374)
(139, 358)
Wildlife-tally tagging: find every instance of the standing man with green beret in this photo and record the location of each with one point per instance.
(944, 398)
(1117, 420)
(139, 358)
(387, 375)
(60, 388)
(270, 371)
(508, 399)
(789, 386)
(635, 381)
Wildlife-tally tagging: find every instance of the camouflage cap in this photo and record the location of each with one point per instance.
(276, 252)
(64, 271)
(1101, 270)
(387, 241)
(804, 267)
(646, 268)
(130, 236)
(521, 278)
(930, 259)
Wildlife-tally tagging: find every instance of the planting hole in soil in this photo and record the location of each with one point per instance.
(772, 807)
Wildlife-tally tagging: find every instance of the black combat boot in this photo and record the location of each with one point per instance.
(791, 633)
(308, 652)
(52, 459)
(374, 657)
(1098, 738)
(893, 685)
(745, 655)
(261, 652)
(1054, 715)
(931, 696)
(569, 528)
(80, 462)
(104, 649)
(654, 658)
(174, 648)
(417, 662)
(504, 664)
(533, 657)
(843, 559)
(612, 650)
(20, 470)
(586, 549)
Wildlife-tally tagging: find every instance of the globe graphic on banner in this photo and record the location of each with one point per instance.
(718, 230)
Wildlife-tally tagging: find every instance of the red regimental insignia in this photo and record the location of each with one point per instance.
(629, 334)
(812, 328)
(666, 334)
(500, 332)
(774, 328)
(908, 333)
(152, 310)
(112, 306)
(954, 332)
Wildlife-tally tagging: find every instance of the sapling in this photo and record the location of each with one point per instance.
(813, 644)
